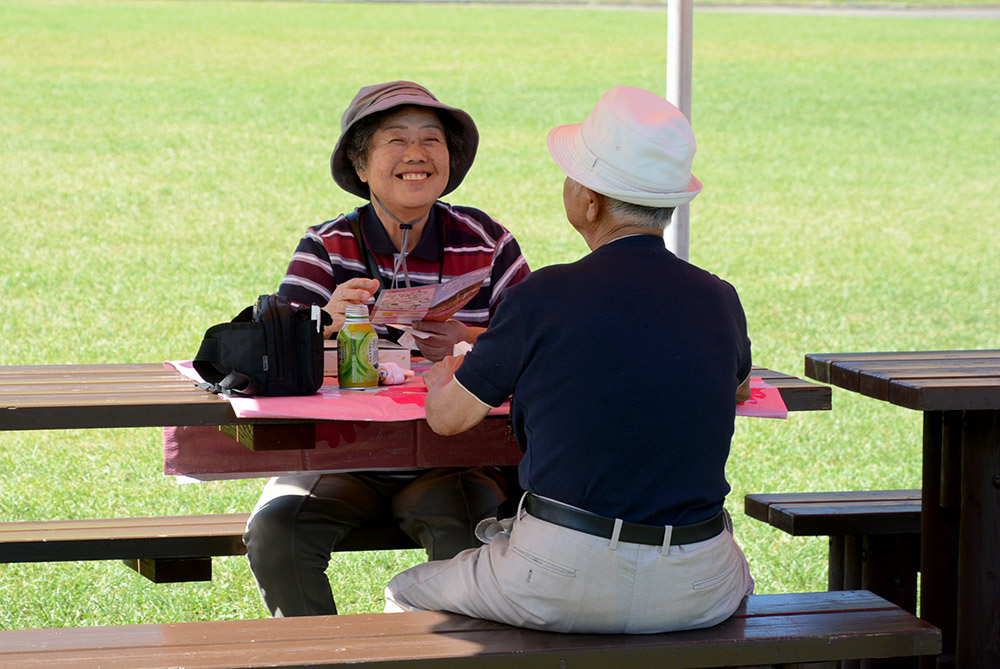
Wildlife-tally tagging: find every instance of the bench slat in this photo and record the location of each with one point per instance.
(154, 537)
(838, 513)
(162, 548)
(874, 535)
(860, 519)
(123, 538)
(767, 630)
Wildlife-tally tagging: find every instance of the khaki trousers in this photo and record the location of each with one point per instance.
(542, 576)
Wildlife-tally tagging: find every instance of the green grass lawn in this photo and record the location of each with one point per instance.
(160, 160)
(706, 4)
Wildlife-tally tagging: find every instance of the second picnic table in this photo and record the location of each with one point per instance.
(959, 395)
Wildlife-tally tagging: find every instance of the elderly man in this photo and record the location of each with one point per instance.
(625, 369)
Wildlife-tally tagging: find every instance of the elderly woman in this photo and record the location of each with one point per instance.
(401, 149)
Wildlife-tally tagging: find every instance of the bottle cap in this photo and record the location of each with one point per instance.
(357, 311)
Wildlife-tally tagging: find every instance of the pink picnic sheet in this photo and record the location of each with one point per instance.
(406, 401)
(765, 402)
(385, 403)
(374, 429)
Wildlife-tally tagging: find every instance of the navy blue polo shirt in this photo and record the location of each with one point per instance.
(623, 368)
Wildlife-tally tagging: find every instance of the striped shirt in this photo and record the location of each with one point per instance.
(455, 240)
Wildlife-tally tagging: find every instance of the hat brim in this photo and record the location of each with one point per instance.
(347, 177)
(567, 149)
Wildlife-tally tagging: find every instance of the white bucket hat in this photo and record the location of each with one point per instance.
(634, 146)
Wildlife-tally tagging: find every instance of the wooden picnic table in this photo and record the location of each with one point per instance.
(43, 397)
(152, 395)
(959, 395)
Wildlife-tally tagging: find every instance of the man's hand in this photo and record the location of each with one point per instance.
(440, 374)
(445, 334)
(450, 408)
(743, 393)
(353, 291)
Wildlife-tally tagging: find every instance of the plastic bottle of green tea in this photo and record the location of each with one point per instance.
(357, 350)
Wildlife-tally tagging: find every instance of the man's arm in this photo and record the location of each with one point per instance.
(450, 407)
(743, 392)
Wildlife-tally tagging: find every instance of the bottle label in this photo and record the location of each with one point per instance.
(357, 356)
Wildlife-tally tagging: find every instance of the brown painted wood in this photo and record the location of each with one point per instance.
(85, 396)
(294, 437)
(921, 380)
(874, 535)
(875, 382)
(928, 394)
(769, 629)
(849, 518)
(122, 538)
(172, 570)
(798, 394)
(46, 397)
(852, 561)
(979, 548)
(160, 541)
(889, 567)
(951, 388)
(838, 513)
(938, 538)
(818, 365)
(835, 563)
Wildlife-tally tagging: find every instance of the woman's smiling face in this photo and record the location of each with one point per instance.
(407, 167)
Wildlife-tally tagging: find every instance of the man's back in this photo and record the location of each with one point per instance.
(626, 371)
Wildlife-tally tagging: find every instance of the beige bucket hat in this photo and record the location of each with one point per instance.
(633, 146)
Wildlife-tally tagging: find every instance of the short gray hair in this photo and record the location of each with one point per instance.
(654, 218)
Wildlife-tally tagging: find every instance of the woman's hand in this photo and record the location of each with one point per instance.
(444, 336)
(353, 291)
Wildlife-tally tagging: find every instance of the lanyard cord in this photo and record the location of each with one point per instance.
(401, 258)
(405, 227)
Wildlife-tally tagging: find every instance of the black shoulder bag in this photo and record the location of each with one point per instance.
(272, 348)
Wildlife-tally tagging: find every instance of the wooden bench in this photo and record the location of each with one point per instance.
(874, 536)
(767, 629)
(164, 549)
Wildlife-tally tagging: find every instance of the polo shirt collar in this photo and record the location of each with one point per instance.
(428, 248)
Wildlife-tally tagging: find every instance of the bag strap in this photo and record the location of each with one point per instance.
(206, 362)
(354, 220)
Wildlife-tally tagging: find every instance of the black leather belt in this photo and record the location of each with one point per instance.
(633, 533)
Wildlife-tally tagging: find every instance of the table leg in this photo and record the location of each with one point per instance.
(939, 530)
(978, 642)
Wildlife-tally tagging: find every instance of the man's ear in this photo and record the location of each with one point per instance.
(595, 203)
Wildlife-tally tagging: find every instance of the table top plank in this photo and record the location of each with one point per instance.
(819, 366)
(152, 395)
(920, 380)
(876, 381)
(143, 368)
(931, 394)
(798, 394)
(151, 387)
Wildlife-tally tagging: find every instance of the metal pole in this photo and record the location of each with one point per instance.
(680, 21)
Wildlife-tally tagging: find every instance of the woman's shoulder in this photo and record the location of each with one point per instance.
(474, 226)
(458, 215)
